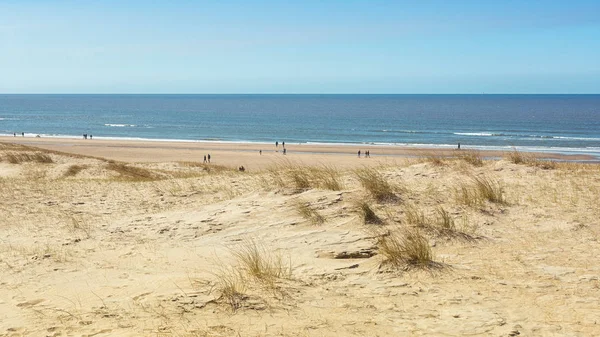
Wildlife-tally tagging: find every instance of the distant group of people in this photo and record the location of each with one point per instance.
(277, 147)
(367, 154)
(207, 158)
(15, 134)
(85, 136)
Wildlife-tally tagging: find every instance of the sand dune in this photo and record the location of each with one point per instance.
(155, 245)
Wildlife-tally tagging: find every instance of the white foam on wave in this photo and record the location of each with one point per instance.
(577, 138)
(480, 134)
(121, 125)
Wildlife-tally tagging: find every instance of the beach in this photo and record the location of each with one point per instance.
(141, 238)
(247, 154)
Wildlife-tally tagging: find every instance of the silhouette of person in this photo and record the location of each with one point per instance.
(358, 153)
(260, 152)
(276, 144)
(284, 151)
(283, 144)
(90, 136)
(204, 159)
(208, 158)
(459, 146)
(23, 134)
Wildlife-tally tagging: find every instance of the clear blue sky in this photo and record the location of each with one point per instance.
(300, 46)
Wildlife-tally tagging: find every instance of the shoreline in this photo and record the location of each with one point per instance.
(247, 154)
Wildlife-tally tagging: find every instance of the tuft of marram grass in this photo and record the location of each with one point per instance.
(23, 157)
(73, 170)
(472, 157)
(516, 157)
(414, 216)
(309, 213)
(208, 168)
(327, 177)
(441, 223)
(231, 286)
(467, 194)
(489, 189)
(481, 189)
(261, 264)
(543, 164)
(131, 173)
(444, 221)
(434, 158)
(406, 250)
(367, 214)
(301, 178)
(376, 185)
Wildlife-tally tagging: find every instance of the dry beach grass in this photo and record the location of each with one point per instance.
(441, 246)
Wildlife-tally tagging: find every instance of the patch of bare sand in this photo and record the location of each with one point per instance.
(142, 250)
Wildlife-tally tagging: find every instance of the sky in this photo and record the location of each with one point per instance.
(308, 46)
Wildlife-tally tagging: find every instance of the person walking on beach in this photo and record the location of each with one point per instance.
(204, 159)
(283, 144)
(208, 158)
(23, 134)
(284, 151)
(276, 144)
(459, 146)
(358, 153)
(260, 152)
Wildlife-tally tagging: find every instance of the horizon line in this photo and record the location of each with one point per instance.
(274, 94)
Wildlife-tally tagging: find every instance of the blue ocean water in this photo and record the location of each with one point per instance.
(554, 123)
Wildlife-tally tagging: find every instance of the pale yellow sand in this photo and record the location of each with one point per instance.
(242, 154)
(98, 255)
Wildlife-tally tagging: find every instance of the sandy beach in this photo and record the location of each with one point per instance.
(247, 154)
(136, 238)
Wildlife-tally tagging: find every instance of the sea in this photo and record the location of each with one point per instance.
(565, 124)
